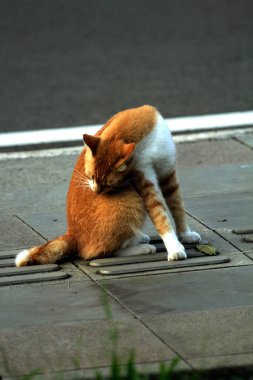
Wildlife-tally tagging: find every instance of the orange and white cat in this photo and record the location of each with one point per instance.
(125, 171)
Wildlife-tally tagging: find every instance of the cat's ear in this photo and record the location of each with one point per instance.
(127, 152)
(92, 142)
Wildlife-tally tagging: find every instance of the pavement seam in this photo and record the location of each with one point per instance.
(215, 231)
(32, 228)
(221, 236)
(244, 143)
(135, 317)
(145, 325)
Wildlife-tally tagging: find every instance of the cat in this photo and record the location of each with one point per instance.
(125, 171)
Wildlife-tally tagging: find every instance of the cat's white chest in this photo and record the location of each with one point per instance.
(157, 150)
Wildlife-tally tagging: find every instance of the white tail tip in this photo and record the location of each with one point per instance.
(22, 258)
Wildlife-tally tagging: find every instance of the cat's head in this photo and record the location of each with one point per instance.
(107, 162)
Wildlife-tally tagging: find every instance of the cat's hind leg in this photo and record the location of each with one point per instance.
(133, 250)
(137, 245)
(142, 238)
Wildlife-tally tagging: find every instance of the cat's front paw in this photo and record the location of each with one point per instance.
(174, 248)
(189, 237)
(179, 254)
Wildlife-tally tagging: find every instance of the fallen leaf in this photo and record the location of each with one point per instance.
(207, 249)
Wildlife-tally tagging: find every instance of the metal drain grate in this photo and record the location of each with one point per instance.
(28, 278)
(161, 265)
(154, 262)
(12, 271)
(162, 256)
(10, 275)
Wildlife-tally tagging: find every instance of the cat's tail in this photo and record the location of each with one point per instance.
(48, 253)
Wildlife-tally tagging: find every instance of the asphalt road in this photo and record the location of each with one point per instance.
(67, 63)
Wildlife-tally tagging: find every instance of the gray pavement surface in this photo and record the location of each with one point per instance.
(203, 315)
(72, 63)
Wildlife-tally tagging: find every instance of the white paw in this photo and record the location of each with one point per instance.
(139, 249)
(174, 248)
(177, 254)
(190, 237)
(147, 249)
(22, 258)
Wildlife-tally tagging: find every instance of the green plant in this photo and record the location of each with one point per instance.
(128, 371)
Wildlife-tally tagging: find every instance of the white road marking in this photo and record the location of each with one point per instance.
(178, 125)
(43, 153)
(211, 122)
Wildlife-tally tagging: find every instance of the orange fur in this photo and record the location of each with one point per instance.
(125, 124)
(100, 223)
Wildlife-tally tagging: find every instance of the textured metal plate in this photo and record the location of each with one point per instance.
(10, 271)
(162, 265)
(35, 277)
(9, 254)
(160, 255)
(10, 275)
(7, 263)
(242, 231)
(137, 259)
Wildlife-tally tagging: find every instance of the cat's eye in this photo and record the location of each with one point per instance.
(121, 168)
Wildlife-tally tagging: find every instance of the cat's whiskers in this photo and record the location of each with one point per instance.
(81, 180)
(80, 175)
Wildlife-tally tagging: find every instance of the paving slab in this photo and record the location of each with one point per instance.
(35, 184)
(230, 211)
(49, 225)
(36, 198)
(222, 361)
(214, 153)
(53, 318)
(16, 234)
(214, 180)
(204, 334)
(246, 139)
(53, 304)
(184, 292)
(60, 346)
(236, 240)
(143, 368)
(249, 254)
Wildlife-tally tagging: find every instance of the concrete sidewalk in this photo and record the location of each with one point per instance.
(203, 315)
